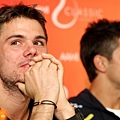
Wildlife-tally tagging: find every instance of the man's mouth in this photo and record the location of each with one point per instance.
(25, 65)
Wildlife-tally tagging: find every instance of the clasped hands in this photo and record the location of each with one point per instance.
(44, 81)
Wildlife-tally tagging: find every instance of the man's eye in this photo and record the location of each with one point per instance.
(38, 43)
(15, 43)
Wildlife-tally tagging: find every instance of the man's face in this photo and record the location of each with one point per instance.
(113, 69)
(20, 40)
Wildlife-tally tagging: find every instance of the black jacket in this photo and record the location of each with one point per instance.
(91, 108)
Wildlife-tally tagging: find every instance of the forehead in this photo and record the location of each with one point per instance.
(22, 26)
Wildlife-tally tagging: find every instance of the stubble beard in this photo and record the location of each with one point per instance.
(9, 81)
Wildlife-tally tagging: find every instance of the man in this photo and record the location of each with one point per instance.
(100, 54)
(29, 77)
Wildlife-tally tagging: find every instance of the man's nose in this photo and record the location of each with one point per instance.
(30, 50)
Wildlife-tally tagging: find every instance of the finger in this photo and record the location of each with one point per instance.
(31, 63)
(37, 58)
(34, 66)
(58, 63)
(37, 65)
(49, 56)
(52, 59)
(21, 87)
(45, 63)
(53, 66)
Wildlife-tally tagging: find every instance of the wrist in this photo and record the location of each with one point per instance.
(65, 113)
(42, 111)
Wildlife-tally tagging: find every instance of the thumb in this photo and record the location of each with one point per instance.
(21, 86)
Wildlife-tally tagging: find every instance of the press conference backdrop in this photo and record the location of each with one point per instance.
(66, 22)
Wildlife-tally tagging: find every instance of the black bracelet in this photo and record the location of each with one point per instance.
(47, 102)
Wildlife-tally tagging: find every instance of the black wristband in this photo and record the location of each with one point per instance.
(47, 102)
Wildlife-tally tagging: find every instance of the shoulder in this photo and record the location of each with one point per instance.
(83, 95)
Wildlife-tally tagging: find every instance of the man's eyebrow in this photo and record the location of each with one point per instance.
(13, 36)
(21, 36)
(40, 37)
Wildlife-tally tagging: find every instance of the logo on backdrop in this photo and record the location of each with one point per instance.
(67, 11)
(67, 56)
(76, 12)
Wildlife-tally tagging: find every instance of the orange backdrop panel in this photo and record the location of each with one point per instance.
(66, 22)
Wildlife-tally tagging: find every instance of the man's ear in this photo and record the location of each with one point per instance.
(100, 63)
